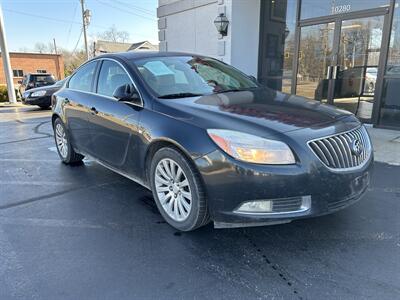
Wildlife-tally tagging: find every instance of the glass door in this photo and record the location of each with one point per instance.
(355, 74)
(338, 60)
(315, 58)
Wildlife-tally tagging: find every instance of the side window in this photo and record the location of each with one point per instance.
(82, 80)
(111, 76)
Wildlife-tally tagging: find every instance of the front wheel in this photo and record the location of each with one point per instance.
(178, 190)
(63, 144)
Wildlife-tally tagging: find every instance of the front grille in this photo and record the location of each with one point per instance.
(344, 150)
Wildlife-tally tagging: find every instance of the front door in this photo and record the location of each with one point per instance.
(338, 61)
(113, 124)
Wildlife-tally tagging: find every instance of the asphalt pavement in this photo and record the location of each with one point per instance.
(84, 232)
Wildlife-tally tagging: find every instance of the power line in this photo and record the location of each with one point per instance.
(77, 43)
(62, 20)
(141, 9)
(135, 6)
(49, 18)
(70, 27)
(125, 11)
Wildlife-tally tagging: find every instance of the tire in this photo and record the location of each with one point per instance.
(169, 196)
(44, 107)
(63, 144)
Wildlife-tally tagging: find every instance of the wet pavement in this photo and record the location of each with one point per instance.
(84, 232)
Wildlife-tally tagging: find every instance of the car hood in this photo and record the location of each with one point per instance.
(52, 88)
(260, 108)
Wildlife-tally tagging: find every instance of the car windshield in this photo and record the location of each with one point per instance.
(187, 76)
(61, 82)
(44, 78)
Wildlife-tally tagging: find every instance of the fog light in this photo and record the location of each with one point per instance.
(261, 206)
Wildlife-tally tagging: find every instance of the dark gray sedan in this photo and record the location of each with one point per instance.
(209, 141)
(41, 96)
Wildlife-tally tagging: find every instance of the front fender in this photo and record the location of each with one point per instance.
(156, 127)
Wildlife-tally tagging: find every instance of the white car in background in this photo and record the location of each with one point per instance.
(370, 80)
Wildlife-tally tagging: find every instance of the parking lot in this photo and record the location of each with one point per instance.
(84, 232)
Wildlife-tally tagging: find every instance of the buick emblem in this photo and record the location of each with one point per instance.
(356, 147)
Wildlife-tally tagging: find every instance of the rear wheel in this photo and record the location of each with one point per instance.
(178, 190)
(63, 144)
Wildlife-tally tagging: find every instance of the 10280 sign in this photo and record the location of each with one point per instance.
(340, 9)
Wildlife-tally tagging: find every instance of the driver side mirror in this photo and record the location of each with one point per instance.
(127, 93)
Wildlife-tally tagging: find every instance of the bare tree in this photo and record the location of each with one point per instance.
(72, 60)
(40, 47)
(114, 35)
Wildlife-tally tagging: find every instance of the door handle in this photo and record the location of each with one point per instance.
(94, 111)
(329, 72)
(335, 72)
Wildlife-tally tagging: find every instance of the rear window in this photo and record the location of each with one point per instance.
(41, 78)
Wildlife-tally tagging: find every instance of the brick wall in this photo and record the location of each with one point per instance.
(31, 62)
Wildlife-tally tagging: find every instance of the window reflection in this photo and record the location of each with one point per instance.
(277, 43)
(315, 55)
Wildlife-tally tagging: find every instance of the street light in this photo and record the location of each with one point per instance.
(221, 23)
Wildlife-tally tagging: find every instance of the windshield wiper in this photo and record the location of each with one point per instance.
(179, 95)
(235, 90)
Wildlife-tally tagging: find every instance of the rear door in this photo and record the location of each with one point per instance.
(78, 97)
(113, 124)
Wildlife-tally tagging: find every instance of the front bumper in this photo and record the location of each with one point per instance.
(230, 183)
(41, 101)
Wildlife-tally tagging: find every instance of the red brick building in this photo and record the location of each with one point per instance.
(23, 63)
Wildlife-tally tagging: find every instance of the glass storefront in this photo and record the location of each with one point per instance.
(390, 101)
(318, 8)
(342, 52)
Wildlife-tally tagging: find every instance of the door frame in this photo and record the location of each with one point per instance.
(386, 12)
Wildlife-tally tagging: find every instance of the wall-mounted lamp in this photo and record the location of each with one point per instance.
(221, 23)
(287, 31)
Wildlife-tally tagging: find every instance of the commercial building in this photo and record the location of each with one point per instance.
(342, 52)
(23, 63)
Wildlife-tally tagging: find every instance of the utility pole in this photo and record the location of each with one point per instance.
(86, 14)
(6, 61)
(55, 46)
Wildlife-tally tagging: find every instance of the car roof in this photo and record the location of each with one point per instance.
(135, 55)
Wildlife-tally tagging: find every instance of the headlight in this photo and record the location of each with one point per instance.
(38, 94)
(250, 148)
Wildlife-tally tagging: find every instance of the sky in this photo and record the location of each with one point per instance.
(28, 21)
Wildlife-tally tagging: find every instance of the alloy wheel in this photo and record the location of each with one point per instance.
(61, 140)
(173, 189)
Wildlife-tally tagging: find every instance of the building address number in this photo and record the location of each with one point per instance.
(340, 9)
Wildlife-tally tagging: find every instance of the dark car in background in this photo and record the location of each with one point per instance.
(34, 80)
(352, 82)
(209, 141)
(41, 96)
